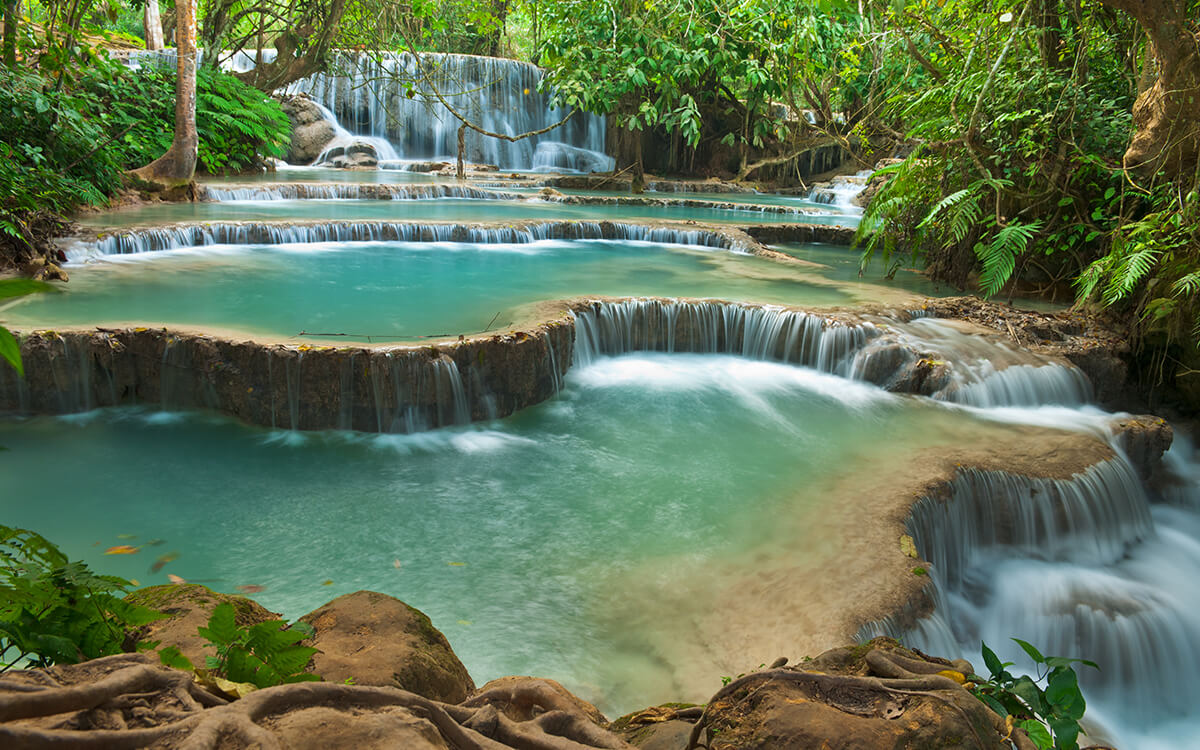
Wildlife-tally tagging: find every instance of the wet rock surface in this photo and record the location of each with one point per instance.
(311, 132)
(375, 639)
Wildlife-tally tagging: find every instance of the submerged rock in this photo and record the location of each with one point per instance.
(375, 639)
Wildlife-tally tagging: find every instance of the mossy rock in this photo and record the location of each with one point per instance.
(375, 639)
(190, 606)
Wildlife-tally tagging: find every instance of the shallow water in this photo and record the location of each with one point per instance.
(439, 209)
(585, 539)
(399, 290)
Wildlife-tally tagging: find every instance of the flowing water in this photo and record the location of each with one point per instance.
(406, 290)
(581, 539)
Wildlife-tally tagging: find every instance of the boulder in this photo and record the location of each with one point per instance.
(524, 698)
(350, 155)
(1144, 439)
(322, 727)
(311, 131)
(190, 605)
(375, 639)
(878, 695)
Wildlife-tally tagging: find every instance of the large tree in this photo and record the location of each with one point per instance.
(177, 167)
(1167, 114)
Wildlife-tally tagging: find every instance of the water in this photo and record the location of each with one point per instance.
(499, 95)
(596, 538)
(399, 290)
(440, 209)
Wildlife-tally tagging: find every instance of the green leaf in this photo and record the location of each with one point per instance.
(222, 627)
(10, 351)
(1029, 649)
(20, 287)
(1037, 733)
(172, 657)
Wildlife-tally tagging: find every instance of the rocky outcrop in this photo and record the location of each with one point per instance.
(357, 154)
(878, 695)
(374, 639)
(774, 234)
(395, 389)
(189, 607)
(311, 131)
(1144, 440)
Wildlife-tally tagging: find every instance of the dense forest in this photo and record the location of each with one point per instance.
(1050, 146)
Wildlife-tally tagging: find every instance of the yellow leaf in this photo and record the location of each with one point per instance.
(955, 675)
(908, 547)
(457, 564)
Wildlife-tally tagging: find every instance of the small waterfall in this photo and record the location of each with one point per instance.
(251, 233)
(351, 191)
(386, 96)
(840, 191)
(611, 328)
(342, 138)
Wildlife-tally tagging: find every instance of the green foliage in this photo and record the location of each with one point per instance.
(263, 655)
(10, 349)
(237, 123)
(662, 63)
(1049, 715)
(54, 611)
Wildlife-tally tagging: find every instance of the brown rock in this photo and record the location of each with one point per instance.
(311, 132)
(190, 605)
(320, 728)
(375, 639)
(524, 698)
(1144, 439)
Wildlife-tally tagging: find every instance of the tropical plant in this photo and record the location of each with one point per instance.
(261, 655)
(1049, 715)
(54, 611)
(10, 348)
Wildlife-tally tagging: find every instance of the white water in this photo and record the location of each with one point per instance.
(391, 97)
(840, 191)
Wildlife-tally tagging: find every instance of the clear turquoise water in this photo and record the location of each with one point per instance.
(397, 290)
(579, 523)
(439, 209)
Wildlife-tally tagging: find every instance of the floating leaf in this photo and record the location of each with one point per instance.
(121, 549)
(464, 622)
(251, 588)
(126, 536)
(396, 564)
(175, 579)
(457, 564)
(163, 560)
(327, 582)
(155, 543)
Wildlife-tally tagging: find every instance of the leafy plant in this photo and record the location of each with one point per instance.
(54, 611)
(262, 655)
(10, 350)
(1049, 715)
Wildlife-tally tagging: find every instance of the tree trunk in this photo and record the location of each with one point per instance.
(152, 23)
(177, 167)
(1167, 115)
(12, 10)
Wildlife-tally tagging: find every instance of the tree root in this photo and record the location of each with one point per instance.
(151, 705)
(889, 672)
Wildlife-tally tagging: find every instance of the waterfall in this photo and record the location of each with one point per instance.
(611, 328)
(1092, 566)
(260, 233)
(350, 191)
(840, 191)
(388, 96)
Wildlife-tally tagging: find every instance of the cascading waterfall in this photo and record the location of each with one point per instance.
(351, 191)
(389, 96)
(195, 235)
(840, 191)
(612, 328)
(1092, 566)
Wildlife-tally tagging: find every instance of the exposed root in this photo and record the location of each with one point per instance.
(131, 702)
